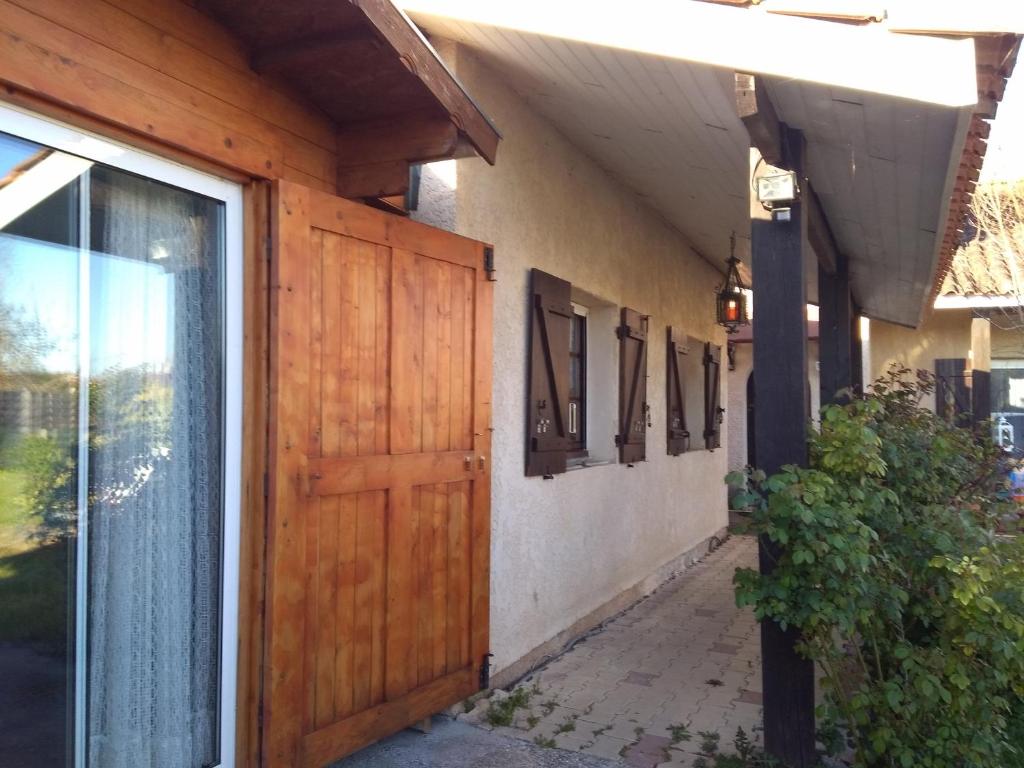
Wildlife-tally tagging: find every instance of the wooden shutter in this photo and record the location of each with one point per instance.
(712, 396)
(547, 411)
(632, 437)
(953, 390)
(378, 518)
(678, 435)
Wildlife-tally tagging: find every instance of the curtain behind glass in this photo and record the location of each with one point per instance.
(154, 476)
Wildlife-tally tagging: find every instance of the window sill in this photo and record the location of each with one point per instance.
(587, 462)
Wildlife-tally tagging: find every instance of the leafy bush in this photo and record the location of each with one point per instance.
(887, 562)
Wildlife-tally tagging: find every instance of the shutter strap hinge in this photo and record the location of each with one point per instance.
(485, 671)
(489, 262)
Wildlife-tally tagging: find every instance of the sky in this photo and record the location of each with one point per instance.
(1004, 160)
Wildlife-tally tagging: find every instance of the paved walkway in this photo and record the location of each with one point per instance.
(682, 662)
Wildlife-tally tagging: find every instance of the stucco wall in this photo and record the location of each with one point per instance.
(563, 548)
(736, 412)
(944, 334)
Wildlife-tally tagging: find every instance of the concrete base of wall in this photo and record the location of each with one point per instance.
(565, 639)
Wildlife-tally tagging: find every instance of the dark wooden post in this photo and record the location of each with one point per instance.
(835, 331)
(780, 365)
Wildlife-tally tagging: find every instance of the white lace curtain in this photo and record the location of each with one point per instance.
(154, 477)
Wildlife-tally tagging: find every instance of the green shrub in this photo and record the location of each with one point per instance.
(887, 561)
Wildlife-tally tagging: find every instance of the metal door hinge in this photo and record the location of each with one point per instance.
(489, 262)
(485, 671)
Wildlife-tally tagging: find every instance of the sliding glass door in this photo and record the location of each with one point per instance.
(120, 323)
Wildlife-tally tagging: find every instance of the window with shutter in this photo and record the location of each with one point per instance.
(953, 390)
(547, 435)
(633, 408)
(678, 435)
(712, 396)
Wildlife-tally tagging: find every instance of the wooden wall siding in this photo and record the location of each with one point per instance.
(379, 513)
(166, 71)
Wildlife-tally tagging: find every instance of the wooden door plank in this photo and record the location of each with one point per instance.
(349, 394)
(289, 419)
(362, 638)
(429, 321)
(424, 502)
(331, 476)
(367, 395)
(331, 345)
(458, 355)
(457, 641)
(443, 310)
(406, 360)
(398, 667)
(322, 598)
(382, 352)
(379, 562)
(344, 640)
(439, 576)
(469, 288)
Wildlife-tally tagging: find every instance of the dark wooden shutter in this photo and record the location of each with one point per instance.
(632, 437)
(547, 437)
(953, 390)
(678, 435)
(712, 388)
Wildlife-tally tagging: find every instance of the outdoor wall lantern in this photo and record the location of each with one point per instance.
(732, 301)
(776, 192)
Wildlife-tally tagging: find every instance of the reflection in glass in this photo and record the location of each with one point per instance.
(135, 368)
(39, 258)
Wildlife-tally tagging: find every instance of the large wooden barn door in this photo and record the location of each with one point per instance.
(379, 482)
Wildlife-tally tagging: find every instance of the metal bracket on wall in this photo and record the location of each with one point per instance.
(489, 263)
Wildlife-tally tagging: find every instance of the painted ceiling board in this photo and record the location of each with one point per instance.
(667, 129)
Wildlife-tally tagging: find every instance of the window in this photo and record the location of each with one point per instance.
(120, 344)
(578, 382)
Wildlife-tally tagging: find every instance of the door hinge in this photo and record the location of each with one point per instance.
(489, 262)
(485, 671)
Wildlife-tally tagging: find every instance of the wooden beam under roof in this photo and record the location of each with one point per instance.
(358, 61)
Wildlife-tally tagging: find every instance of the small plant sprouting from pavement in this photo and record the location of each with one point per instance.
(549, 706)
(709, 742)
(714, 682)
(545, 741)
(568, 725)
(679, 732)
(531, 722)
(503, 712)
(601, 730)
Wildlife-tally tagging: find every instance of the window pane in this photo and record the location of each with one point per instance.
(155, 462)
(39, 261)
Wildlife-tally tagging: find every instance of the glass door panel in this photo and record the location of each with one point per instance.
(112, 434)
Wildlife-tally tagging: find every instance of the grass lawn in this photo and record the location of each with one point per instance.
(33, 574)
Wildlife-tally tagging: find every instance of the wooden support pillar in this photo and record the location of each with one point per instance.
(780, 365)
(981, 369)
(835, 331)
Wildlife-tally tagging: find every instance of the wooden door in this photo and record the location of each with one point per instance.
(379, 481)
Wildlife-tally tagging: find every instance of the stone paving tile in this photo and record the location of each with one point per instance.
(683, 656)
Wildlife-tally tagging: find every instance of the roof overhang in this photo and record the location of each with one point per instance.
(647, 89)
(368, 68)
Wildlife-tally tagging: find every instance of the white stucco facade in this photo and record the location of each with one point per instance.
(566, 551)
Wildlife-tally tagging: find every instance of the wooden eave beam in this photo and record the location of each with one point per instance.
(374, 158)
(758, 114)
(419, 58)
